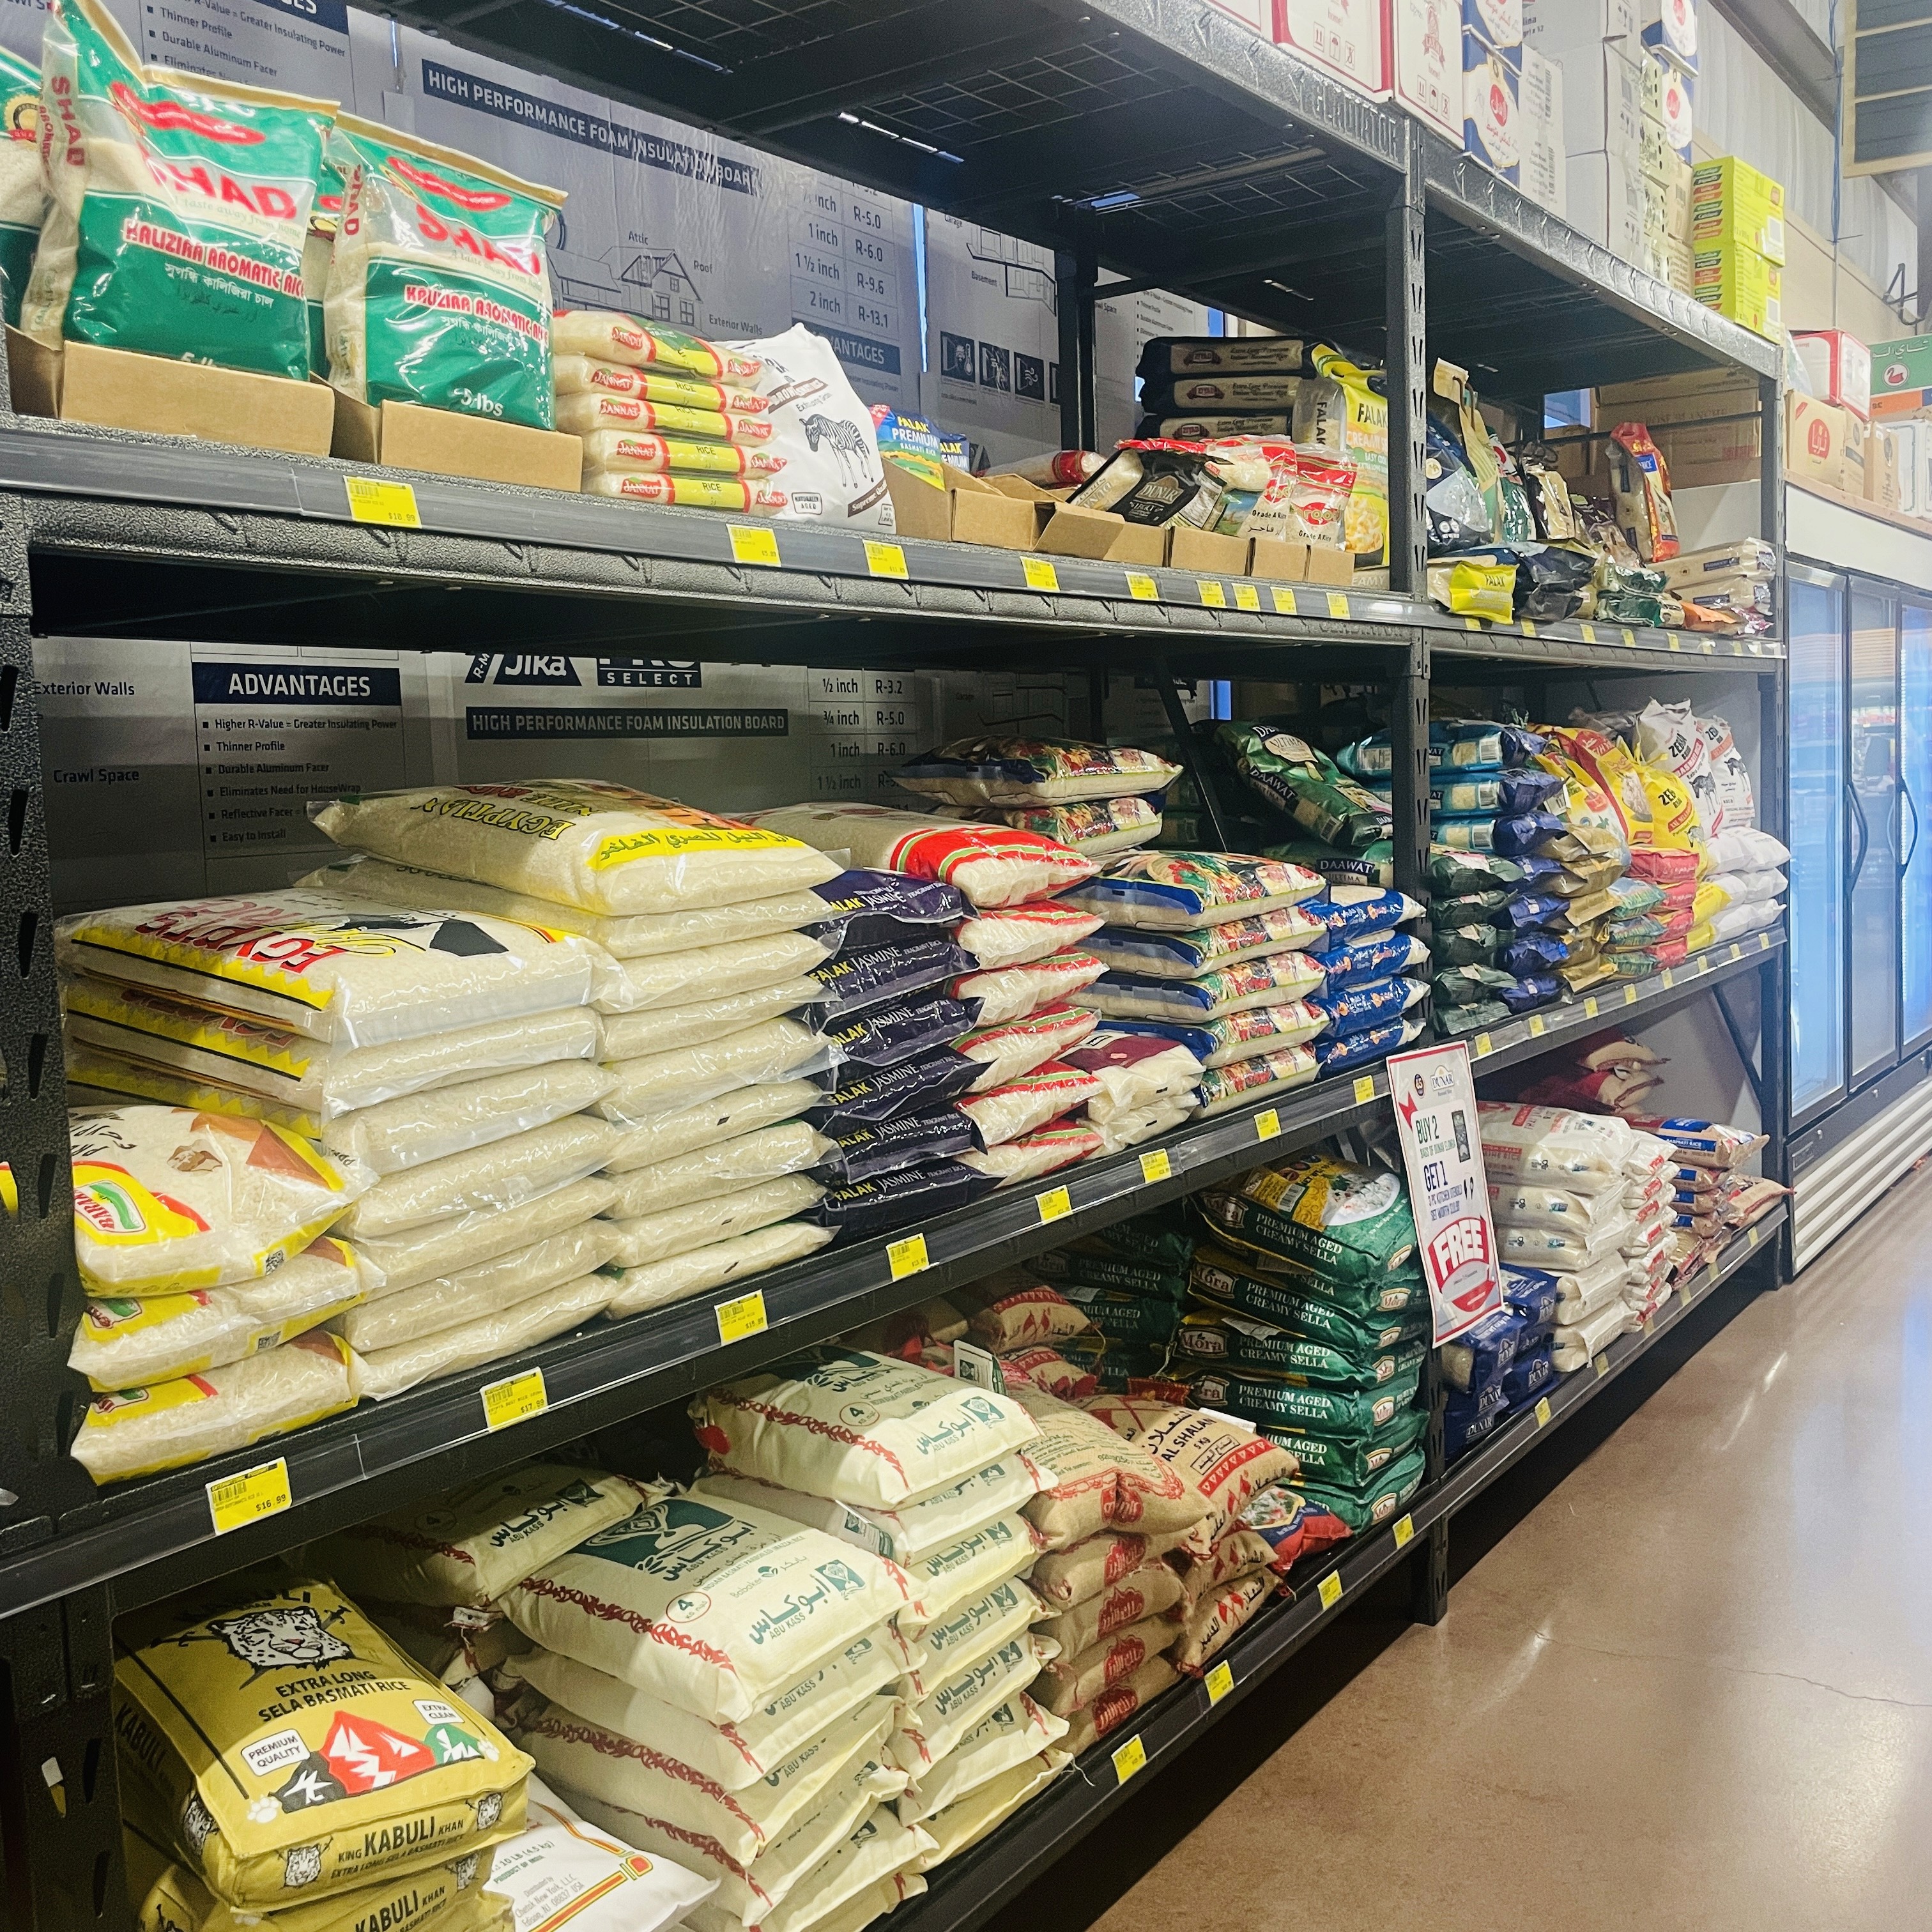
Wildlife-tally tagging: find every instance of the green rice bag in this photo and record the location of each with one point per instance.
(1462, 985)
(1468, 909)
(1160, 1236)
(1270, 1402)
(1238, 1343)
(1349, 1465)
(1375, 1502)
(1374, 865)
(1124, 1318)
(1458, 1022)
(1452, 873)
(1399, 1309)
(1466, 946)
(1070, 1267)
(1289, 774)
(1350, 1225)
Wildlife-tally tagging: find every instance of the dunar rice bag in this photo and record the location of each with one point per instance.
(23, 193)
(438, 289)
(180, 206)
(290, 1752)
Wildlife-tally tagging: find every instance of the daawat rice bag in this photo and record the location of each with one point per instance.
(439, 292)
(290, 1752)
(715, 1610)
(181, 205)
(469, 1546)
(1351, 1225)
(580, 842)
(861, 1429)
(165, 1200)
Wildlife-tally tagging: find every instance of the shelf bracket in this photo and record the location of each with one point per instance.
(1407, 379)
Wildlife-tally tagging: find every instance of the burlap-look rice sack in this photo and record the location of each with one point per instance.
(714, 1610)
(1148, 1591)
(1225, 1463)
(860, 1429)
(471, 1545)
(1117, 1703)
(1070, 1684)
(1104, 1482)
(582, 842)
(290, 1752)
(1213, 1621)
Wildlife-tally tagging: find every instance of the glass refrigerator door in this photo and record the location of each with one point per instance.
(1875, 803)
(1820, 845)
(1915, 804)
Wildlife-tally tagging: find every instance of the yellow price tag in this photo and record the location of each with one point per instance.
(1285, 605)
(1737, 952)
(1669, 978)
(885, 559)
(1142, 586)
(1268, 1124)
(1405, 1528)
(907, 1255)
(1220, 1681)
(754, 544)
(1602, 1365)
(1155, 1166)
(1365, 1087)
(1471, 624)
(1590, 1007)
(745, 1316)
(1526, 627)
(1629, 637)
(1750, 1237)
(1538, 1026)
(1247, 596)
(1674, 641)
(1338, 604)
(1629, 996)
(515, 1399)
(1543, 1411)
(1589, 632)
(1040, 574)
(1329, 1590)
(1055, 1204)
(1709, 647)
(1212, 594)
(1764, 942)
(1482, 1044)
(234, 1502)
(372, 501)
(1128, 1758)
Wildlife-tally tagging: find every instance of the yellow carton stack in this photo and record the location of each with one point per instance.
(1737, 227)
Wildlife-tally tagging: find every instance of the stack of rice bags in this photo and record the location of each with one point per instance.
(1372, 992)
(1211, 952)
(1130, 1283)
(936, 1476)
(699, 925)
(1019, 960)
(1313, 1308)
(1333, 819)
(202, 1246)
(1503, 1364)
(716, 1685)
(1712, 1198)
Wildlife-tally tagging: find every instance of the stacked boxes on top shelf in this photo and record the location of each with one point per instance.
(1737, 222)
(1599, 102)
(1491, 33)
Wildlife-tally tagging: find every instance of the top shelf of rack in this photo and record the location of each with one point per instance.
(1193, 156)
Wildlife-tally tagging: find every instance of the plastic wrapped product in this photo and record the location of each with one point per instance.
(344, 972)
(444, 1123)
(1260, 1077)
(993, 865)
(1349, 1224)
(911, 1140)
(1341, 1053)
(741, 1111)
(1097, 828)
(877, 975)
(610, 336)
(628, 1036)
(1355, 1008)
(883, 1036)
(1362, 1508)
(1043, 1151)
(889, 1200)
(1005, 1737)
(913, 1086)
(1120, 1131)
(664, 1083)
(1289, 775)
(383, 1372)
(1573, 1345)
(767, 1153)
(669, 979)
(1193, 955)
(123, 1342)
(470, 1546)
(1020, 934)
(885, 908)
(717, 1264)
(1247, 1034)
(563, 1871)
(1356, 912)
(449, 1301)
(1745, 849)
(1007, 1053)
(624, 936)
(1704, 1143)
(394, 1262)
(1265, 981)
(1452, 872)
(1033, 771)
(166, 1200)
(1458, 1022)
(1382, 956)
(1012, 992)
(1018, 1107)
(1135, 1071)
(594, 394)
(1294, 1526)
(664, 1235)
(1183, 891)
(1480, 1357)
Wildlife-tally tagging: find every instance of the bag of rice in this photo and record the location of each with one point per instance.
(180, 207)
(1103, 1481)
(716, 1264)
(646, 1239)
(628, 1036)
(766, 1154)
(1183, 891)
(1150, 1590)
(1000, 770)
(707, 973)
(439, 292)
(124, 1341)
(370, 1768)
(1062, 1578)
(1350, 1225)
(1135, 1071)
(502, 1176)
(393, 1262)
(967, 1820)
(1041, 1151)
(969, 1632)
(714, 1610)
(1292, 1525)
(23, 189)
(742, 1110)
(1017, 1730)
(1214, 1621)
(1226, 1462)
(1022, 1106)
(858, 1428)
(540, 1317)
(930, 1728)
(1020, 934)
(1011, 992)
(1009, 1052)
(446, 1124)
(1071, 1683)
(1116, 1704)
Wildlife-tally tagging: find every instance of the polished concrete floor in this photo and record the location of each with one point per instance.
(1691, 1689)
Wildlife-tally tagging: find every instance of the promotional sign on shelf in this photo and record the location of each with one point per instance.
(1435, 1095)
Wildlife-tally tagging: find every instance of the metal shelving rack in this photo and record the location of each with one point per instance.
(1152, 140)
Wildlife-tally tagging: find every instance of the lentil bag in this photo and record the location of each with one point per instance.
(1350, 1225)
(180, 209)
(290, 1752)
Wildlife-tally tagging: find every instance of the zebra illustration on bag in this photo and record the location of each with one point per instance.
(846, 441)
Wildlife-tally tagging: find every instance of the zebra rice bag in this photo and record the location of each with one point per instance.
(180, 207)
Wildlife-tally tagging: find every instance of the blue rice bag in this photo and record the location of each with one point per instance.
(1531, 1373)
(1533, 1294)
(1527, 909)
(1342, 1054)
(1480, 1356)
(1381, 956)
(1534, 990)
(1463, 1430)
(1533, 955)
(1354, 912)
(1355, 1007)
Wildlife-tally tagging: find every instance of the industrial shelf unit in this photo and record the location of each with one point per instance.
(1151, 139)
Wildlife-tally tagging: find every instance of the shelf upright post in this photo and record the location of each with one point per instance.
(1773, 802)
(1195, 766)
(1076, 271)
(1408, 380)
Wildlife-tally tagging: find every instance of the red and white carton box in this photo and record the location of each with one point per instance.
(1257, 16)
(1346, 38)
(1839, 365)
(1425, 41)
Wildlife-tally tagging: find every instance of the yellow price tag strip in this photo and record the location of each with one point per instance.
(1750, 1237)
(1365, 1087)
(1338, 604)
(1526, 627)
(1538, 1026)
(1128, 1758)
(1040, 575)
(1590, 1008)
(885, 559)
(1142, 587)
(1675, 642)
(1629, 996)
(1285, 605)
(234, 1502)
(1220, 1681)
(745, 1316)
(1247, 596)
(1669, 978)
(1268, 1124)
(1630, 638)
(1405, 1528)
(1543, 1411)
(1055, 1204)
(1483, 1047)
(906, 1256)
(754, 544)
(1212, 594)
(1737, 953)
(1764, 942)
(515, 1399)
(1589, 632)
(1155, 1164)
(1329, 1590)
(372, 501)
(1602, 1366)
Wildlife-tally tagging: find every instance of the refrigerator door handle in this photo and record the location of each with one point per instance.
(1864, 833)
(1906, 801)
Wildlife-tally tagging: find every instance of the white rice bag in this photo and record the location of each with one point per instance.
(659, 1083)
(1019, 1046)
(708, 972)
(397, 1262)
(929, 1729)
(1021, 1107)
(1576, 1344)
(446, 1123)
(387, 1372)
(716, 1264)
(1018, 1729)
(628, 1036)
(765, 1154)
(1019, 935)
(1137, 1072)
(1549, 1145)
(739, 1111)
(1012, 992)
(1746, 849)
(644, 1239)
(939, 1652)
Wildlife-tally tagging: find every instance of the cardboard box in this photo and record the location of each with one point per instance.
(1606, 203)
(1897, 368)
(1545, 177)
(1344, 38)
(1887, 406)
(1732, 205)
(1068, 531)
(1275, 560)
(118, 389)
(1497, 23)
(1740, 283)
(406, 436)
(1668, 99)
(1491, 85)
(999, 522)
(1668, 28)
(1207, 551)
(1882, 467)
(1329, 563)
(1554, 25)
(1603, 102)
(1814, 440)
(1426, 65)
(1858, 435)
(1140, 545)
(1841, 368)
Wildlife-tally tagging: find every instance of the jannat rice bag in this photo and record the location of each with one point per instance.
(180, 209)
(283, 1744)
(438, 292)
